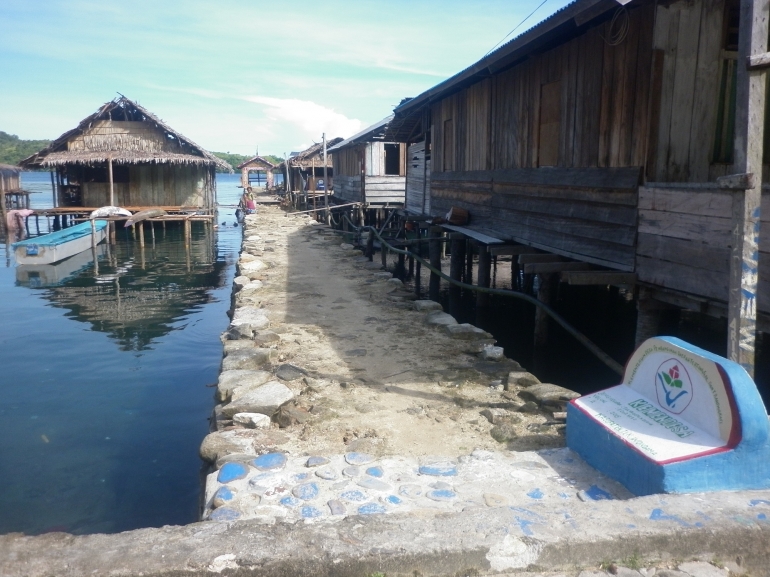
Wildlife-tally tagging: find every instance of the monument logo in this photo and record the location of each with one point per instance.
(673, 386)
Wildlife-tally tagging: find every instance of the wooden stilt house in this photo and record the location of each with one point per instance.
(124, 155)
(305, 170)
(598, 136)
(368, 169)
(256, 164)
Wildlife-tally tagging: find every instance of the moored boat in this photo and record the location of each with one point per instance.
(59, 245)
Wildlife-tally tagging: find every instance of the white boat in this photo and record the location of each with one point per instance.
(55, 274)
(58, 245)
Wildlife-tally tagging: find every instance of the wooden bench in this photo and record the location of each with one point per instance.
(682, 420)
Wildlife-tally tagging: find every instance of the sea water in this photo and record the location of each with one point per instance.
(106, 376)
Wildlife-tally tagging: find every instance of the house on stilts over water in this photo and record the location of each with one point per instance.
(126, 156)
(256, 164)
(303, 172)
(611, 145)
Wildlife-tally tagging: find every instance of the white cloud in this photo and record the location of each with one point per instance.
(311, 118)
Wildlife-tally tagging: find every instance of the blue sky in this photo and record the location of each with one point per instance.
(236, 74)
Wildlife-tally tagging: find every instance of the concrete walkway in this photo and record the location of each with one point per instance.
(361, 434)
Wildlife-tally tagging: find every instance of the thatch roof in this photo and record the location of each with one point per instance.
(128, 134)
(9, 169)
(258, 160)
(305, 158)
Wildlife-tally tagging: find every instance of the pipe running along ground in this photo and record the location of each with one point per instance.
(581, 338)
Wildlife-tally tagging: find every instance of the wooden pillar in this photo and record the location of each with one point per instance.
(112, 184)
(456, 265)
(435, 234)
(269, 182)
(485, 263)
(469, 249)
(749, 128)
(53, 189)
(648, 317)
(545, 292)
(187, 232)
(384, 254)
(370, 245)
(418, 264)
(245, 178)
(141, 233)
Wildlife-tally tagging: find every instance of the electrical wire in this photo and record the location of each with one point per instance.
(617, 36)
(516, 28)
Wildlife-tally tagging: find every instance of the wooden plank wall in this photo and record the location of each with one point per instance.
(154, 185)
(415, 178)
(688, 43)
(375, 158)
(684, 237)
(604, 103)
(385, 189)
(588, 214)
(347, 162)
(347, 188)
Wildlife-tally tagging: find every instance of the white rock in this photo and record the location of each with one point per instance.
(252, 420)
(243, 381)
(439, 318)
(247, 359)
(426, 306)
(265, 399)
(250, 319)
(255, 265)
(395, 282)
(492, 353)
(241, 281)
(466, 331)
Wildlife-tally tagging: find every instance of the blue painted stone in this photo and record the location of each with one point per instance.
(270, 461)
(564, 495)
(327, 474)
(300, 477)
(762, 517)
(316, 461)
(411, 491)
(375, 472)
(222, 496)
(351, 471)
(371, 509)
(306, 491)
(289, 501)
(535, 494)
(353, 496)
(393, 500)
(359, 458)
(309, 512)
(439, 470)
(232, 472)
(336, 507)
(441, 495)
(598, 494)
(372, 483)
(224, 514)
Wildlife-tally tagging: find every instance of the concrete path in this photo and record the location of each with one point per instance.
(359, 433)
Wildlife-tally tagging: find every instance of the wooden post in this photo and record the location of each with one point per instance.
(187, 232)
(434, 251)
(384, 255)
(418, 264)
(152, 233)
(456, 265)
(326, 185)
(544, 295)
(53, 188)
(648, 316)
(749, 125)
(370, 245)
(93, 234)
(141, 233)
(468, 275)
(112, 185)
(485, 263)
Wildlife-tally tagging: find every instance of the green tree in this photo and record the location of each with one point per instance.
(13, 149)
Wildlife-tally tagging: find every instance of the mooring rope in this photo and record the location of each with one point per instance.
(582, 339)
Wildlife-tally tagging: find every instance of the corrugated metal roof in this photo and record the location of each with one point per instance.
(374, 132)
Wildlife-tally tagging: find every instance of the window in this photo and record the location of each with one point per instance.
(392, 159)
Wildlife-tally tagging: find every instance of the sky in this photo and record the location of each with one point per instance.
(240, 75)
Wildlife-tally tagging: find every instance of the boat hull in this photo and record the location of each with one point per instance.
(58, 245)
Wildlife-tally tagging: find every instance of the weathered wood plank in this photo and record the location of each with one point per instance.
(614, 178)
(701, 202)
(683, 251)
(667, 32)
(567, 208)
(708, 229)
(598, 277)
(553, 267)
(697, 281)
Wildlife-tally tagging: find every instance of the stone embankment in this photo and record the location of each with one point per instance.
(359, 432)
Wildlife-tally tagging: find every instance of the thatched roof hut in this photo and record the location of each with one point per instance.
(124, 154)
(256, 164)
(307, 167)
(9, 177)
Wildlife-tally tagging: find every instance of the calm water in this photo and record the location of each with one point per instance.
(104, 400)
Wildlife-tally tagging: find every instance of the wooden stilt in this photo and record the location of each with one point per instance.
(418, 265)
(383, 255)
(468, 273)
(544, 294)
(482, 299)
(434, 251)
(141, 234)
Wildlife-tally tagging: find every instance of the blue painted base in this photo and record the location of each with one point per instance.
(740, 468)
